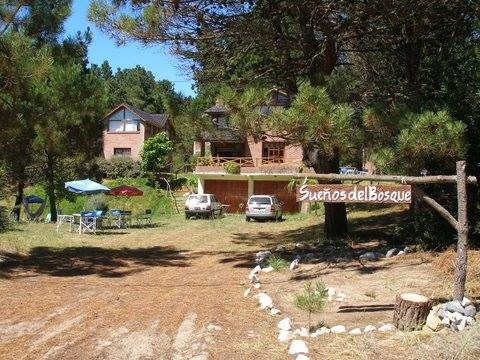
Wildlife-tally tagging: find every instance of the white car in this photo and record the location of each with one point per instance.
(263, 207)
(203, 205)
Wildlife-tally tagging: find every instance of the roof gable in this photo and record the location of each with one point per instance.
(158, 120)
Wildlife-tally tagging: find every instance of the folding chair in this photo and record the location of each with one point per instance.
(88, 222)
(146, 218)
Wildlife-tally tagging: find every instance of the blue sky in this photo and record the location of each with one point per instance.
(153, 58)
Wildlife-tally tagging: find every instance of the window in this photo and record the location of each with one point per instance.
(273, 152)
(122, 152)
(226, 153)
(221, 122)
(126, 125)
(115, 126)
(123, 121)
(132, 125)
(260, 200)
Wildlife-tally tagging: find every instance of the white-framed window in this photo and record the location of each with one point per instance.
(123, 121)
(115, 126)
(122, 152)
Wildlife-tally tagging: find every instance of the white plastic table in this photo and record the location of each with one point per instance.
(64, 219)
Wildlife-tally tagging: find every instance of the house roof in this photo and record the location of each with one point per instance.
(218, 108)
(279, 97)
(158, 120)
(224, 135)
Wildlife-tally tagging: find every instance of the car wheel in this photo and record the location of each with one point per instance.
(186, 216)
(247, 219)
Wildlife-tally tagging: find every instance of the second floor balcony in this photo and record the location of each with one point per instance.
(247, 165)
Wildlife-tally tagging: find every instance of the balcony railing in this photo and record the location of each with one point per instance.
(244, 161)
(221, 160)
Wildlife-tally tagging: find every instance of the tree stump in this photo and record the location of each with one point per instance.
(411, 311)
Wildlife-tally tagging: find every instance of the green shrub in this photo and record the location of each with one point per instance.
(194, 159)
(427, 230)
(316, 208)
(277, 262)
(155, 153)
(232, 167)
(202, 161)
(96, 202)
(192, 182)
(312, 299)
(177, 183)
(119, 167)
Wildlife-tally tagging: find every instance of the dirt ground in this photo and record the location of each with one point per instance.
(370, 290)
(175, 291)
(170, 292)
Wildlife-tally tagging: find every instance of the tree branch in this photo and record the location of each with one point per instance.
(436, 206)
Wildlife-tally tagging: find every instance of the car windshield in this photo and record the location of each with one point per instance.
(200, 199)
(260, 200)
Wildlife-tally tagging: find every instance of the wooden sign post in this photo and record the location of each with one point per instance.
(400, 194)
(460, 274)
(382, 194)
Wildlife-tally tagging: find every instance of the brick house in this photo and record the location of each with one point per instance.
(266, 165)
(127, 128)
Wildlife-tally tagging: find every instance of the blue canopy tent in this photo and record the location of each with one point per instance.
(85, 187)
(88, 220)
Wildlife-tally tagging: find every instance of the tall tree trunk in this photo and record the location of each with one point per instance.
(335, 213)
(51, 188)
(18, 200)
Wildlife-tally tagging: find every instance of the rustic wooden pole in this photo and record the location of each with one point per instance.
(434, 179)
(462, 230)
(419, 194)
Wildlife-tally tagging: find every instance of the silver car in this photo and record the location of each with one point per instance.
(263, 207)
(203, 205)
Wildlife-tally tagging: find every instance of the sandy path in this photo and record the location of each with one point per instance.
(162, 312)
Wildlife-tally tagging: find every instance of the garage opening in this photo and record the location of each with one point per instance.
(280, 189)
(233, 193)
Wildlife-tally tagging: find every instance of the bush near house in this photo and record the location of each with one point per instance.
(232, 167)
(119, 167)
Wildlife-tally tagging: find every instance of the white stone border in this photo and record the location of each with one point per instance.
(298, 347)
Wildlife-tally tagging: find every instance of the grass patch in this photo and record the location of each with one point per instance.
(155, 199)
(277, 262)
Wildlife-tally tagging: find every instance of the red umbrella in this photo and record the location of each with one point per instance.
(125, 190)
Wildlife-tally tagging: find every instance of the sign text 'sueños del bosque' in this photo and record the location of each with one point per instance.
(392, 194)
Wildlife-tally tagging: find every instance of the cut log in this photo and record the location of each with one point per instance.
(411, 311)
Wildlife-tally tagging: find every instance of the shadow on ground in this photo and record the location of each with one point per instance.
(380, 227)
(363, 229)
(80, 261)
(369, 233)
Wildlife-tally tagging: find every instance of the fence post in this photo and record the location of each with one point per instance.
(462, 231)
